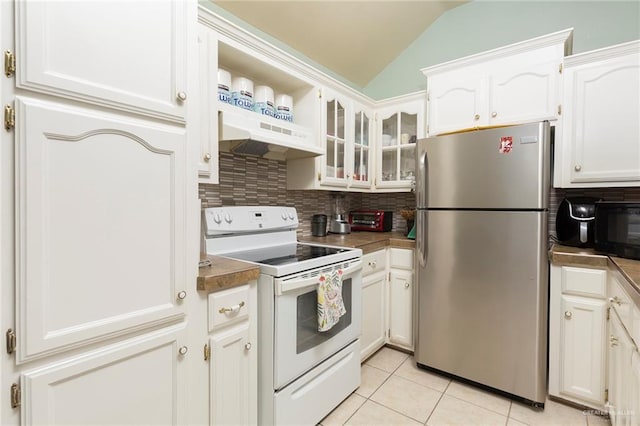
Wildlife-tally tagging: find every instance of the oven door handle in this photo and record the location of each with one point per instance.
(283, 286)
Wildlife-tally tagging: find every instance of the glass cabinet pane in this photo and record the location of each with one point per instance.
(389, 165)
(331, 118)
(365, 130)
(340, 120)
(390, 131)
(407, 162)
(331, 158)
(409, 126)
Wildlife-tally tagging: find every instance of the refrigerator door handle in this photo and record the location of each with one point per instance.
(421, 237)
(422, 167)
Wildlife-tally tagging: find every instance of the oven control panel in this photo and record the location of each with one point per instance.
(239, 219)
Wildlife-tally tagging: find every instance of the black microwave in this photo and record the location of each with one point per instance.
(617, 228)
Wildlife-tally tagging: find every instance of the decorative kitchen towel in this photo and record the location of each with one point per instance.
(330, 303)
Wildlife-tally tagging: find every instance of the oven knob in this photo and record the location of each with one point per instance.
(228, 218)
(284, 215)
(217, 218)
(291, 216)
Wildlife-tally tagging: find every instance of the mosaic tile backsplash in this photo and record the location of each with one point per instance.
(248, 180)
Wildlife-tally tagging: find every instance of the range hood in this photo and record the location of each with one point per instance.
(249, 133)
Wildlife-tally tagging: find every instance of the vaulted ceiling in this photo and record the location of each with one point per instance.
(354, 39)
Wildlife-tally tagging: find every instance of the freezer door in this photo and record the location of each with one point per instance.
(503, 168)
(482, 298)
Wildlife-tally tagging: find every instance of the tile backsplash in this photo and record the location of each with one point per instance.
(246, 180)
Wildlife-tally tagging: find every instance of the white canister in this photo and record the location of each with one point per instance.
(242, 93)
(224, 86)
(263, 104)
(284, 107)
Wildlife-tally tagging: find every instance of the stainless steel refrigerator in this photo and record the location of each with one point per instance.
(481, 257)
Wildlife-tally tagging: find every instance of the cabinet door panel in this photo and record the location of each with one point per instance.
(454, 101)
(401, 309)
(128, 54)
(134, 382)
(100, 232)
(583, 333)
(524, 95)
(602, 121)
(230, 382)
(373, 314)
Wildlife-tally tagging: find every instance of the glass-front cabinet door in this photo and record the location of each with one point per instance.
(399, 128)
(336, 156)
(361, 165)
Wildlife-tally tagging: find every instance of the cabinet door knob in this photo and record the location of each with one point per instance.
(476, 117)
(207, 157)
(183, 350)
(494, 114)
(568, 314)
(577, 168)
(616, 300)
(182, 295)
(182, 96)
(247, 346)
(406, 285)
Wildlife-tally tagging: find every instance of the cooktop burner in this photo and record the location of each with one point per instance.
(286, 254)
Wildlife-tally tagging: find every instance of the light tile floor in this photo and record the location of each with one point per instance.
(394, 391)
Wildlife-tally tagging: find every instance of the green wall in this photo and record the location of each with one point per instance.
(483, 25)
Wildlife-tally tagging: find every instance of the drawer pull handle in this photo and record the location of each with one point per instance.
(372, 264)
(233, 309)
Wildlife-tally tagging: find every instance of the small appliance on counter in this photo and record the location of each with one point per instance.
(575, 221)
(617, 228)
(371, 220)
(319, 225)
(339, 223)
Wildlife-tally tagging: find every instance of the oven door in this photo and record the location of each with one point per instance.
(299, 346)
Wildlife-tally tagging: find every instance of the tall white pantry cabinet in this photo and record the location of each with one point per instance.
(98, 255)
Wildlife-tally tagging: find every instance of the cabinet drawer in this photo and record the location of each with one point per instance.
(584, 281)
(374, 262)
(401, 258)
(228, 306)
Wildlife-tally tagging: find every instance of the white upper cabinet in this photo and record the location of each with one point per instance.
(361, 170)
(515, 84)
(208, 104)
(336, 112)
(599, 142)
(83, 50)
(399, 124)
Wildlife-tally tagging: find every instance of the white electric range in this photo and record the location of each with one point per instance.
(303, 373)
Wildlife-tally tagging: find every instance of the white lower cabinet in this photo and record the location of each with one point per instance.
(136, 381)
(577, 330)
(233, 353)
(387, 300)
(401, 290)
(374, 303)
(620, 353)
(400, 309)
(624, 357)
(373, 314)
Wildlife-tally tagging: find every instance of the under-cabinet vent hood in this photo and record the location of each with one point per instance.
(249, 133)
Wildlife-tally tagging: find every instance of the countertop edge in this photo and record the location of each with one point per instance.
(225, 273)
